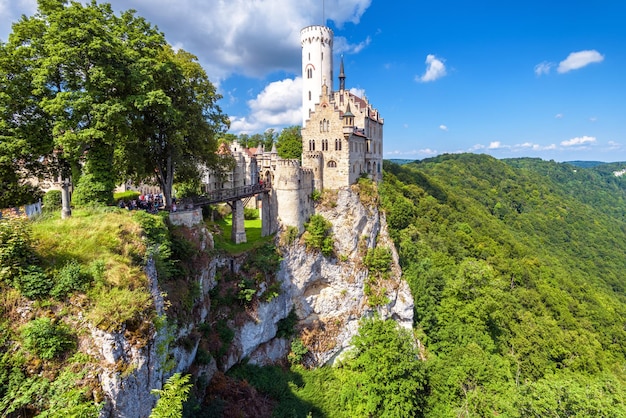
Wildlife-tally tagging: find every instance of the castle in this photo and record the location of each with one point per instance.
(342, 140)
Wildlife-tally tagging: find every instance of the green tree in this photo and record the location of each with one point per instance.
(289, 143)
(172, 397)
(388, 377)
(178, 123)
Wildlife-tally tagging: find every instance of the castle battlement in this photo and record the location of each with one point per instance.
(287, 163)
(316, 33)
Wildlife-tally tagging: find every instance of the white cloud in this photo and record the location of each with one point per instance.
(443, 127)
(251, 38)
(495, 145)
(421, 152)
(543, 68)
(341, 45)
(593, 119)
(582, 140)
(579, 59)
(358, 92)
(435, 68)
(278, 105)
(558, 116)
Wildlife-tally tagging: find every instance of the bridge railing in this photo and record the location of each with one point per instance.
(226, 195)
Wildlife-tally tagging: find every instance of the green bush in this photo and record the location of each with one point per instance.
(250, 214)
(289, 235)
(298, 351)
(91, 192)
(126, 196)
(52, 200)
(316, 195)
(47, 339)
(33, 283)
(68, 279)
(286, 327)
(318, 235)
(16, 249)
(378, 260)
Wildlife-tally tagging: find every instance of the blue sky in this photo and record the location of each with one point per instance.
(512, 79)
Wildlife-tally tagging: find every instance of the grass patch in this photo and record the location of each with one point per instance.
(253, 235)
(92, 235)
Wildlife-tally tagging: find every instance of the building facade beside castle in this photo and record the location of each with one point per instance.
(342, 140)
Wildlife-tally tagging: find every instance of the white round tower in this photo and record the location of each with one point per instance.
(317, 66)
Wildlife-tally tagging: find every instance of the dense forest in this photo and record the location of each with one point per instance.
(520, 304)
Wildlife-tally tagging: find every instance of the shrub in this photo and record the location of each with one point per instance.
(52, 200)
(286, 327)
(298, 351)
(92, 192)
(316, 196)
(126, 196)
(250, 214)
(47, 339)
(319, 235)
(289, 236)
(378, 260)
(16, 248)
(33, 283)
(367, 190)
(68, 279)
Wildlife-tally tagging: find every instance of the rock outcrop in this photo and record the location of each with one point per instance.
(327, 293)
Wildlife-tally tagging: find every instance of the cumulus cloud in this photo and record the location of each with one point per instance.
(558, 116)
(435, 69)
(443, 127)
(495, 145)
(342, 46)
(579, 59)
(251, 38)
(278, 105)
(358, 92)
(543, 68)
(582, 140)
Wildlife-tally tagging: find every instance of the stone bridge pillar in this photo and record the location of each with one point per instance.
(269, 220)
(238, 233)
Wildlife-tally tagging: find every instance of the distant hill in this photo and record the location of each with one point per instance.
(517, 271)
(585, 164)
(401, 161)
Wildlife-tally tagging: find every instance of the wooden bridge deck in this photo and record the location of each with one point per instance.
(228, 195)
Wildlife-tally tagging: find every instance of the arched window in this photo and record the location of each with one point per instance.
(309, 73)
(321, 126)
(332, 164)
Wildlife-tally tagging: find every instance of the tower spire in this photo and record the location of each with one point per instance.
(342, 76)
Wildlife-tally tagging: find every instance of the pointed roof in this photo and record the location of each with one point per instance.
(342, 76)
(348, 112)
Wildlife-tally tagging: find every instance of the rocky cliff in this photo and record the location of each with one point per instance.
(329, 295)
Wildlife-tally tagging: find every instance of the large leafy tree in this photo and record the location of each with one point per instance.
(178, 123)
(105, 95)
(289, 143)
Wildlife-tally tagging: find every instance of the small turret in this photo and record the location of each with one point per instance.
(342, 77)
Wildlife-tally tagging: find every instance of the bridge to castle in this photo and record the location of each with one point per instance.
(237, 198)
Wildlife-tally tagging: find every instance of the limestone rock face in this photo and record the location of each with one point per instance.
(329, 292)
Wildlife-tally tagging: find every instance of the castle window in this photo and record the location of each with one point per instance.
(309, 73)
(321, 126)
(309, 94)
(332, 164)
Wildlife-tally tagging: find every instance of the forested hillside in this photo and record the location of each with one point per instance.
(516, 268)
